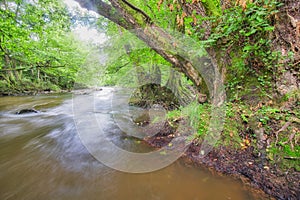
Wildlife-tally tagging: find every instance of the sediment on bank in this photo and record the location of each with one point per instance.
(258, 174)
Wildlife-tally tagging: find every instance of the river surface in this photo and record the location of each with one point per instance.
(42, 157)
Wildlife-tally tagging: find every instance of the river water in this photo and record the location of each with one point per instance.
(43, 157)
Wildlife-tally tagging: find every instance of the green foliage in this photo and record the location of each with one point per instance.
(36, 45)
(198, 116)
(121, 65)
(265, 113)
(240, 26)
(173, 115)
(284, 156)
(248, 29)
(157, 11)
(91, 71)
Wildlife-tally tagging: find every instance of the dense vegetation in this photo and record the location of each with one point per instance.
(37, 49)
(253, 44)
(259, 67)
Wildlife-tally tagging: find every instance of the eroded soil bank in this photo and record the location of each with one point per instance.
(245, 165)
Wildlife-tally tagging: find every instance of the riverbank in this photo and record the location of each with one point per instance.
(241, 159)
(76, 90)
(260, 175)
(47, 144)
(33, 92)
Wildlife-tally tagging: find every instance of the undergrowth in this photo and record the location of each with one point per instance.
(279, 120)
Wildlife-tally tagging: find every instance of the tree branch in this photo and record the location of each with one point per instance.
(105, 10)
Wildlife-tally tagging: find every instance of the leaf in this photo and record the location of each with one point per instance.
(194, 19)
(247, 48)
(171, 7)
(269, 28)
(250, 32)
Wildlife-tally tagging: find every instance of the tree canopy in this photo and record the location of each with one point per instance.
(36, 47)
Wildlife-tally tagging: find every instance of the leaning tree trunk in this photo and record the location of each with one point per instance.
(132, 18)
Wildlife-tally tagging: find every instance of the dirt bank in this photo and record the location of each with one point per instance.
(242, 164)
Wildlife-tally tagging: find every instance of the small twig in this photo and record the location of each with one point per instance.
(293, 20)
(295, 63)
(291, 137)
(291, 158)
(280, 130)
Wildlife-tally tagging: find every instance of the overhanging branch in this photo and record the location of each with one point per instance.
(139, 23)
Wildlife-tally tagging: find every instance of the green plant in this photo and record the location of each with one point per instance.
(244, 118)
(173, 115)
(249, 29)
(284, 155)
(198, 115)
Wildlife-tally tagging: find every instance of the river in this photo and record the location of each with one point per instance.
(43, 157)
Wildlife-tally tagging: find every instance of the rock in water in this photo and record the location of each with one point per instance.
(26, 111)
(141, 118)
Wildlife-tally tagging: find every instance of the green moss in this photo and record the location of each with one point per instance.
(232, 127)
(139, 18)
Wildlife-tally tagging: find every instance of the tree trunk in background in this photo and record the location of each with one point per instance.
(155, 74)
(174, 83)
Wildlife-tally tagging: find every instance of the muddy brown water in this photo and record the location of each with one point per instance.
(42, 157)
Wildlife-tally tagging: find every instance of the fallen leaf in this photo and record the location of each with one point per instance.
(171, 7)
